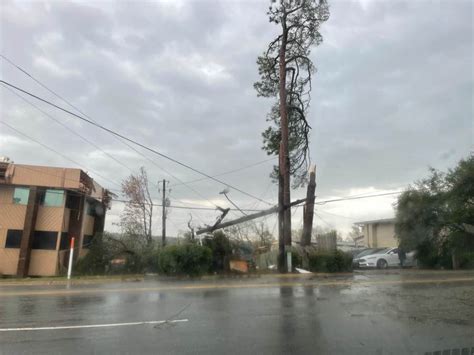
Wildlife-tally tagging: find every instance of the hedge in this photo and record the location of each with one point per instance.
(337, 261)
(186, 259)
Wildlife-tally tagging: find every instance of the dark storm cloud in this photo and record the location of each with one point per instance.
(393, 92)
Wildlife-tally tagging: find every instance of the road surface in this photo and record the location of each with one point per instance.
(370, 312)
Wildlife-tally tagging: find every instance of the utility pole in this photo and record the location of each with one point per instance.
(219, 225)
(163, 218)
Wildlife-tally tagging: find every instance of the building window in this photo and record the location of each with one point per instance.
(20, 195)
(13, 238)
(65, 241)
(91, 209)
(73, 201)
(53, 198)
(45, 240)
(87, 241)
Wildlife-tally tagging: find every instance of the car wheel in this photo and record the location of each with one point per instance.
(382, 264)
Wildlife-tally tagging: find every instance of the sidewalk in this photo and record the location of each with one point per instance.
(110, 279)
(84, 280)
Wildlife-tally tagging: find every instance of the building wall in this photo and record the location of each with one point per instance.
(88, 228)
(66, 215)
(380, 235)
(8, 257)
(28, 175)
(386, 235)
(43, 263)
(50, 219)
(12, 216)
(366, 233)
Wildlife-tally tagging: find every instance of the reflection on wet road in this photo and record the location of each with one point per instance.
(383, 313)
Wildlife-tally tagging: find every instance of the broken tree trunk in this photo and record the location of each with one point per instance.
(309, 209)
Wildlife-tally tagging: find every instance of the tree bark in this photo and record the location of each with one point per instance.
(309, 209)
(284, 166)
(281, 220)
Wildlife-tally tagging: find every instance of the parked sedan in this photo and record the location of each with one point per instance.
(361, 254)
(385, 258)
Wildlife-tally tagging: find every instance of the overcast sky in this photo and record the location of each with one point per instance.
(393, 95)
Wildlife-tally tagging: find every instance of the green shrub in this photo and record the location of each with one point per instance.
(337, 261)
(466, 260)
(185, 259)
(144, 260)
(98, 258)
(427, 255)
(104, 248)
(221, 249)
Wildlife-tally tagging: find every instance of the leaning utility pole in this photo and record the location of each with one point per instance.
(219, 224)
(163, 218)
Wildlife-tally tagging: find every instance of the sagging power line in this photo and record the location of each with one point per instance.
(154, 151)
(56, 152)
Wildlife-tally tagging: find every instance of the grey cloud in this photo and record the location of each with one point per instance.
(393, 92)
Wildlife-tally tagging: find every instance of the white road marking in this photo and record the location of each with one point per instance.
(94, 325)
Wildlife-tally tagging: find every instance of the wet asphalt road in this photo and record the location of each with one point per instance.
(368, 313)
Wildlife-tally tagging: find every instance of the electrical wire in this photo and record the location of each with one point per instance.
(189, 208)
(154, 151)
(90, 118)
(322, 219)
(70, 129)
(141, 154)
(56, 152)
(227, 172)
(357, 197)
(336, 215)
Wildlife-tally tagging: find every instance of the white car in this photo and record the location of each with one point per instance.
(386, 258)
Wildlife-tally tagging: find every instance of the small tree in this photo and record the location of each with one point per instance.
(221, 248)
(138, 214)
(436, 215)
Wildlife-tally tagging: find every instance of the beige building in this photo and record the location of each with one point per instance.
(41, 208)
(379, 233)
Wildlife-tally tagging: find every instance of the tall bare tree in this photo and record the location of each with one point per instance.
(286, 71)
(137, 217)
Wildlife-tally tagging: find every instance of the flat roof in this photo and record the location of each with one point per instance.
(51, 177)
(382, 220)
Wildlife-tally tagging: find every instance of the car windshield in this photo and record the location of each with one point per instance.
(251, 176)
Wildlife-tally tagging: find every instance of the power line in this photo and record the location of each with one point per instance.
(327, 223)
(189, 208)
(336, 215)
(90, 118)
(55, 151)
(69, 129)
(357, 197)
(137, 151)
(227, 172)
(133, 141)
